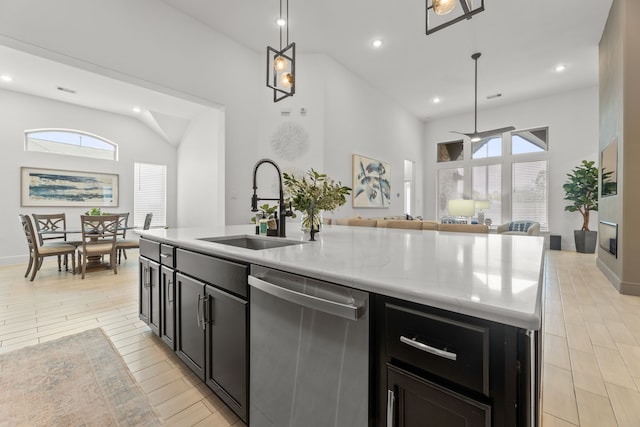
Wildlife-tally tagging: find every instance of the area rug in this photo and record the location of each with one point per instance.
(79, 380)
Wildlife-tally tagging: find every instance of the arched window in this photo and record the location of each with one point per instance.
(70, 142)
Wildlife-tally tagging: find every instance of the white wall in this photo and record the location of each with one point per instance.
(200, 168)
(20, 112)
(572, 118)
(344, 116)
(152, 45)
(360, 120)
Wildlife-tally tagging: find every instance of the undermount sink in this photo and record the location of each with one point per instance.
(252, 242)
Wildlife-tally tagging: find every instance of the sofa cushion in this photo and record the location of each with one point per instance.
(521, 226)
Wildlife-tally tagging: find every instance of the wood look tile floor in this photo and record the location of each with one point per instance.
(591, 340)
(60, 303)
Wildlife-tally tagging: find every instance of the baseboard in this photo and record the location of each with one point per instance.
(625, 288)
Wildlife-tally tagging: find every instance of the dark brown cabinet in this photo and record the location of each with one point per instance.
(189, 323)
(452, 369)
(211, 324)
(149, 284)
(167, 295)
(411, 400)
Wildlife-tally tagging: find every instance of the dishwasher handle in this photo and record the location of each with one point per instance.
(346, 311)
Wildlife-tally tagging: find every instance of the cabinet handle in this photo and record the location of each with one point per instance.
(423, 347)
(205, 304)
(391, 404)
(171, 287)
(146, 277)
(165, 255)
(198, 310)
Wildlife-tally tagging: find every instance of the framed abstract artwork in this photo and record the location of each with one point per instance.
(52, 187)
(371, 183)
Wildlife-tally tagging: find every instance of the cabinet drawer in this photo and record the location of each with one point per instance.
(224, 274)
(448, 348)
(150, 249)
(167, 255)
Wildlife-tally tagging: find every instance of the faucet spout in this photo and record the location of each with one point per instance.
(254, 199)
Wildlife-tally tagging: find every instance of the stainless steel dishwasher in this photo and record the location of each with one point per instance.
(309, 357)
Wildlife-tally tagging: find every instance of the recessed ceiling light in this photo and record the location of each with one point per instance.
(136, 109)
(560, 68)
(436, 100)
(376, 43)
(6, 78)
(281, 22)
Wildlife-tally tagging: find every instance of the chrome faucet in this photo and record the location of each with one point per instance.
(284, 212)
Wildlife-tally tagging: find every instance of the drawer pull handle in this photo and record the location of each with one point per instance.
(165, 256)
(420, 346)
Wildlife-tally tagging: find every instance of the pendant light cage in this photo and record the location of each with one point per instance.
(444, 13)
(281, 62)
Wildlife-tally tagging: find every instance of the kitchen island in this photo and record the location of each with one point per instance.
(487, 286)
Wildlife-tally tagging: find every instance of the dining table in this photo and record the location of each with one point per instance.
(94, 263)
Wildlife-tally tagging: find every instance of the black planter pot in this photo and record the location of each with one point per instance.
(585, 241)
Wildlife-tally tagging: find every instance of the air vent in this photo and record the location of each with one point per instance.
(495, 95)
(64, 89)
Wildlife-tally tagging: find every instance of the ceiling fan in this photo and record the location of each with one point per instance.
(475, 135)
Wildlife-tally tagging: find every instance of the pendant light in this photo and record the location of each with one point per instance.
(443, 13)
(442, 7)
(281, 63)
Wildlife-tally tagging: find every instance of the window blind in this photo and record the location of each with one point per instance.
(150, 194)
(529, 192)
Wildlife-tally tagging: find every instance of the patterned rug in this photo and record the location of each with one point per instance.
(79, 380)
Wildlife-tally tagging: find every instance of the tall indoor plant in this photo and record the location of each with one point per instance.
(315, 191)
(582, 191)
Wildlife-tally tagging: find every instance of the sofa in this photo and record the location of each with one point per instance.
(411, 224)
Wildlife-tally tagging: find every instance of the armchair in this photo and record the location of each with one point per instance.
(522, 228)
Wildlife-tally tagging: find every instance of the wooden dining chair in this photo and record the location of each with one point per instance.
(37, 253)
(98, 238)
(122, 243)
(53, 226)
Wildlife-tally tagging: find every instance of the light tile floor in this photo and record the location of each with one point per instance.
(591, 356)
(59, 303)
(591, 347)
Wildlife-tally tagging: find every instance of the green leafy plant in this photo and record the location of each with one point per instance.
(315, 189)
(582, 191)
(95, 212)
(267, 210)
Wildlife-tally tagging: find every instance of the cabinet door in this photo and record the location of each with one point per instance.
(143, 290)
(167, 306)
(189, 323)
(413, 400)
(226, 346)
(154, 296)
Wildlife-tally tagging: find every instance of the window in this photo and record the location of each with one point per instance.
(487, 147)
(150, 193)
(450, 187)
(409, 203)
(70, 143)
(486, 184)
(509, 170)
(529, 141)
(529, 193)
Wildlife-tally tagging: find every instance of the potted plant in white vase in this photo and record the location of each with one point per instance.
(582, 191)
(314, 191)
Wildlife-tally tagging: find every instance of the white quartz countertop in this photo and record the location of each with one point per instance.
(490, 276)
